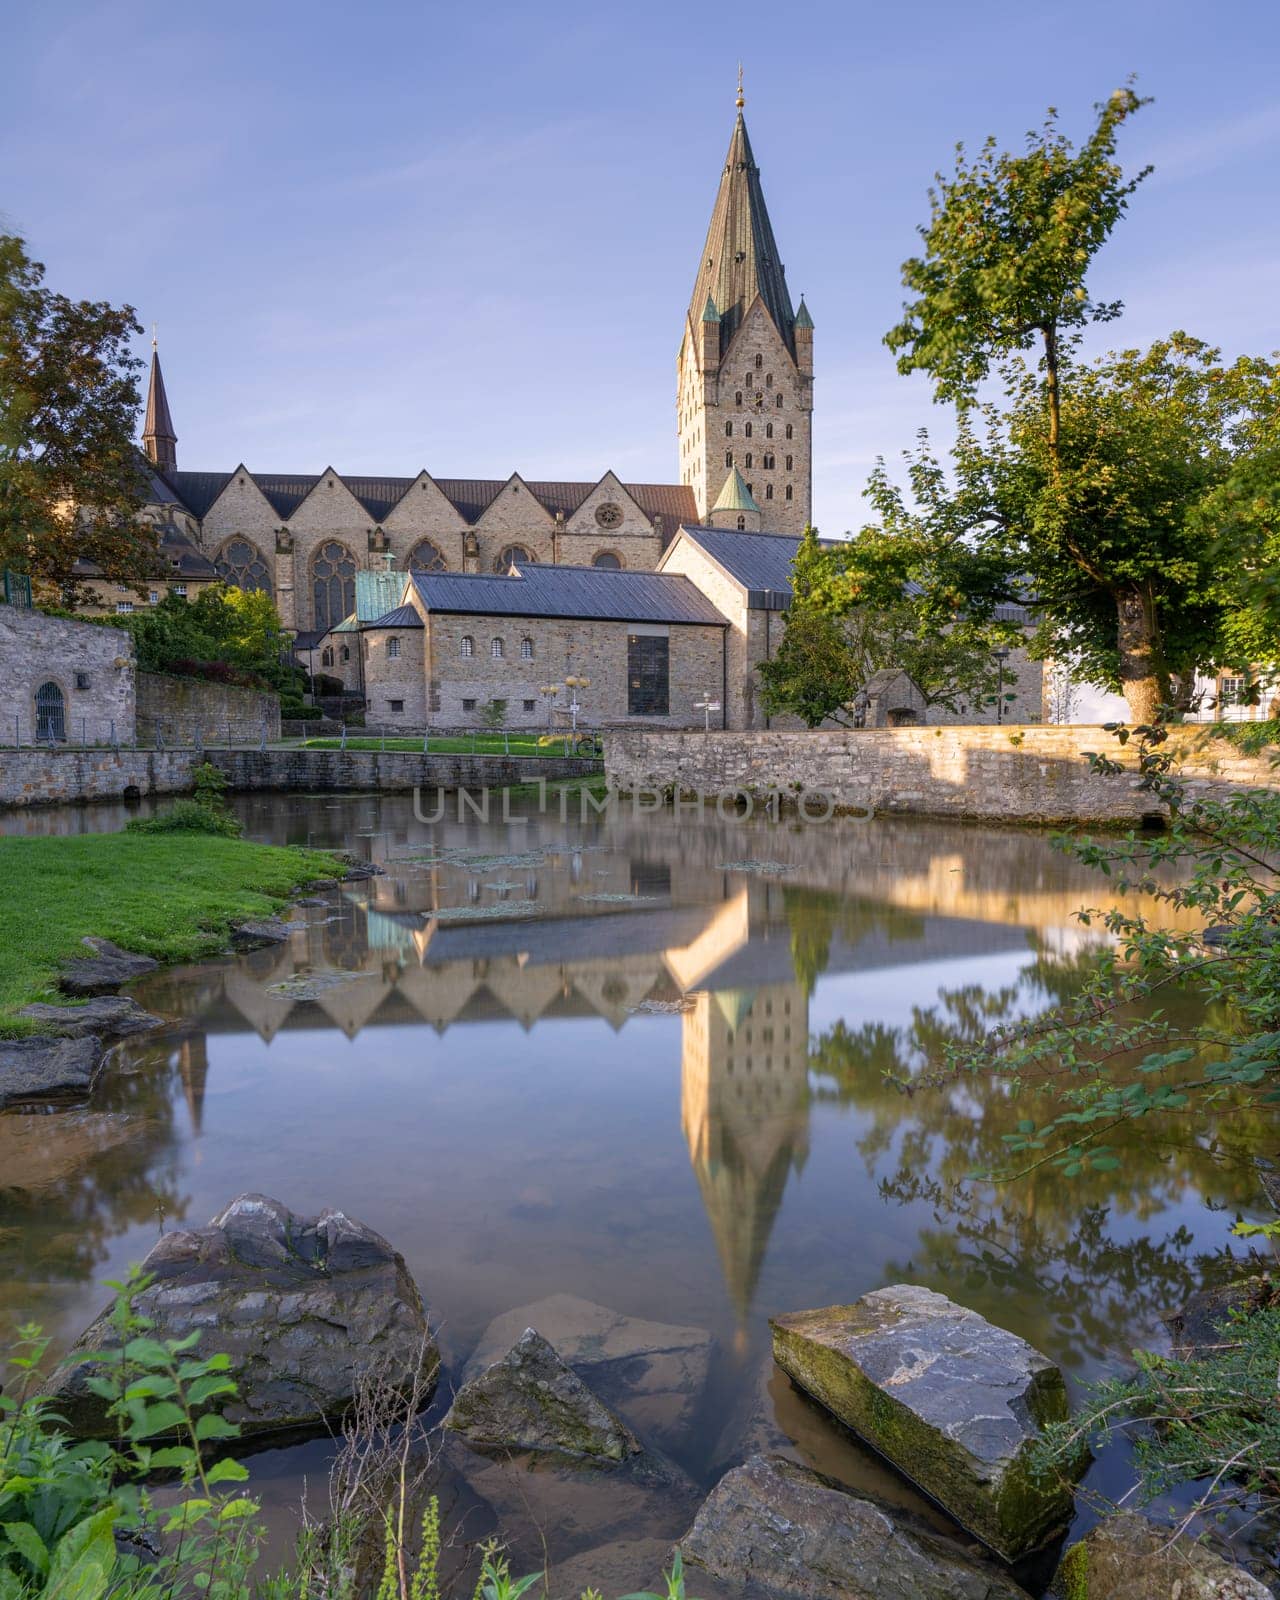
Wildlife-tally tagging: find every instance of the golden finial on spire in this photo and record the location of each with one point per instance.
(742, 99)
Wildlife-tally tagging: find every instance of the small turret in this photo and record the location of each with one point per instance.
(804, 339)
(158, 438)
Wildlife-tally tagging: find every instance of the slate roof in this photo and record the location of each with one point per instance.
(158, 423)
(758, 562)
(584, 593)
(740, 258)
(285, 491)
(401, 617)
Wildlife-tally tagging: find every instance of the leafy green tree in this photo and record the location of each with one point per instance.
(71, 479)
(224, 627)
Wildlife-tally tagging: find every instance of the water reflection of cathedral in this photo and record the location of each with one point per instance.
(715, 946)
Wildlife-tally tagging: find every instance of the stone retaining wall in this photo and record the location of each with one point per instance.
(389, 770)
(66, 777)
(1027, 774)
(184, 710)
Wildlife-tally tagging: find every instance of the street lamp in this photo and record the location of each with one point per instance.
(573, 685)
(549, 691)
(1001, 655)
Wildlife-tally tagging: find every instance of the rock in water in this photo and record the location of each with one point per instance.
(36, 1070)
(110, 1016)
(953, 1401)
(530, 1400)
(304, 1306)
(105, 970)
(774, 1523)
(1203, 1327)
(651, 1373)
(1126, 1557)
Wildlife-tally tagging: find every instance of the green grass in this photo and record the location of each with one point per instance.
(172, 896)
(485, 744)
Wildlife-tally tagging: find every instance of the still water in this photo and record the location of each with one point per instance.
(641, 1060)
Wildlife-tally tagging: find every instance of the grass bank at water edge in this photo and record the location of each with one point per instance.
(174, 897)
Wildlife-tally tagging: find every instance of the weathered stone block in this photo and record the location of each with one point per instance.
(955, 1403)
(36, 1070)
(1128, 1558)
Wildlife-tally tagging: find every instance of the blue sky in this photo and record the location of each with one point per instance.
(389, 236)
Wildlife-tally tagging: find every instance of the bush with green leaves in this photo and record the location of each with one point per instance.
(207, 813)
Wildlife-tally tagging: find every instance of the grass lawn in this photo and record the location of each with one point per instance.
(484, 744)
(169, 896)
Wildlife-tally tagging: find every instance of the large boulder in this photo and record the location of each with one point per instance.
(107, 1016)
(530, 1400)
(39, 1071)
(1204, 1325)
(1128, 1558)
(774, 1524)
(652, 1373)
(955, 1403)
(105, 970)
(304, 1306)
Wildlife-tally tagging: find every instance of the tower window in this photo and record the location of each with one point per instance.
(788, 430)
(790, 462)
(728, 458)
(742, 524)
(747, 430)
(751, 490)
(768, 380)
(768, 430)
(759, 362)
(749, 459)
(768, 491)
(728, 430)
(737, 399)
(768, 463)
(779, 400)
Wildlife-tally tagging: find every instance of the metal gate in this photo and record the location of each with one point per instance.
(51, 720)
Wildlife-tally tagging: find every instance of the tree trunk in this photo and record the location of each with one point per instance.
(1143, 677)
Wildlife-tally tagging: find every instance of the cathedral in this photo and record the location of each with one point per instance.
(744, 408)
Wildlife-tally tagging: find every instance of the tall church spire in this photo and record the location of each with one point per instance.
(740, 258)
(158, 438)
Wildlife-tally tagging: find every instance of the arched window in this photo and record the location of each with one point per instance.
(790, 462)
(345, 653)
(768, 380)
(747, 430)
(789, 430)
(728, 458)
(526, 649)
(467, 647)
(427, 557)
(513, 555)
(768, 462)
(608, 559)
(749, 459)
(768, 430)
(51, 714)
(737, 398)
(728, 430)
(326, 656)
(496, 649)
(742, 524)
(768, 491)
(778, 400)
(393, 647)
(788, 491)
(243, 564)
(333, 583)
(759, 362)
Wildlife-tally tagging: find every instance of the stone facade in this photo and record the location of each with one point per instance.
(390, 771)
(1025, 774)
(68, 777)
(84, 669)
(195, 711)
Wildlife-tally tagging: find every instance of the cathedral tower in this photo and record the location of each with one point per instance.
(745, 371)
(158, 438)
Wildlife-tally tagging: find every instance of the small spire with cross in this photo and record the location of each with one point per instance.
(742, 99)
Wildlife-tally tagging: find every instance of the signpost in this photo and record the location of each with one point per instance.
(708, 706)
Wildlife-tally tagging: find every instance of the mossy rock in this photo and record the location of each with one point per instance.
(1126, 1557)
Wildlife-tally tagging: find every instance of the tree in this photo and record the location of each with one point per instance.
(71, 479)
(901, 596)
(235, 632)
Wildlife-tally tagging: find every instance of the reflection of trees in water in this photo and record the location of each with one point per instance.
(1060, 1244)
(92, 1177)
(816, 916)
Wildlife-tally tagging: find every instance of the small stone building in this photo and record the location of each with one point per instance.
(64, 681)
(651, 647)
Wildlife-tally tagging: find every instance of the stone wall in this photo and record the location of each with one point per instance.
(67, 777)
(371, 771)
(194, 710)
(1025, 774)
(91, 667)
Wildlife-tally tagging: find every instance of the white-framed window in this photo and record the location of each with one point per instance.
(497, 649)
(123, 607)
(526, 649)
(153, 597)
(393, 647)
(180, 589)
(468, 646)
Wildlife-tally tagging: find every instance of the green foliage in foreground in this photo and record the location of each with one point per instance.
(171, 896)
(206, 813)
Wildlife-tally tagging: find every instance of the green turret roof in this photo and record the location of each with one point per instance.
(803, 319)
(735, 496)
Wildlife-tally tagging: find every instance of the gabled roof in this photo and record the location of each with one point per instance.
(472, 497)
(585, 593)
(401, 617)
(759, 563)
(740, 259)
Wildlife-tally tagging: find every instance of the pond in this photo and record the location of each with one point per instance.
(639, 1059)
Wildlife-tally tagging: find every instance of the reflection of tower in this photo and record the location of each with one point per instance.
(745, 1113)
(193, 1069)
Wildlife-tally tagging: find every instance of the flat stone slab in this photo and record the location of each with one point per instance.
(652, 1373)
(531, 1400)
(776, 1526)
(1125, 1557)
(258, 934)
(35, 1071)
(105, 970)
(304, 1306)
(110, 1016)
(955, 1403)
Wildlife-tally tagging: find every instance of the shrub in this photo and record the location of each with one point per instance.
(188, 816)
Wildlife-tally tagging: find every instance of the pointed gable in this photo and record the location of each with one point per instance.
(327, 505)
(610, 491)
(514, 509)
(740, 259)
(423, 509)
(239, 504)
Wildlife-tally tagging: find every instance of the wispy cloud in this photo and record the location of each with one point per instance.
(1195, 151)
